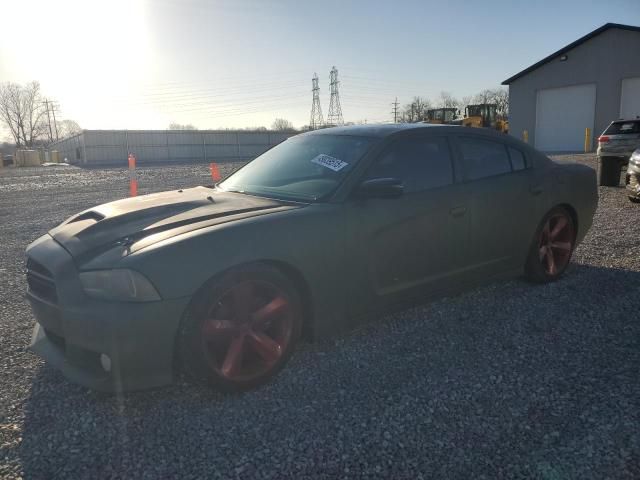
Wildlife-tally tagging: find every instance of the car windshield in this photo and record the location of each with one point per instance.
(304, 168)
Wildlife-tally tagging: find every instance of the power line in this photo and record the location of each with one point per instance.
(316, 109)
(335, 110)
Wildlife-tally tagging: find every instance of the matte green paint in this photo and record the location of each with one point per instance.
(357, 256)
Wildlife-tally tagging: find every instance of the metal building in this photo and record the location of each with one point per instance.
(111, 147)
(586, 84)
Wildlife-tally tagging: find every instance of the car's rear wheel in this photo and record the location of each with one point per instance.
(552, 247)
(609, 171)
(241, 328)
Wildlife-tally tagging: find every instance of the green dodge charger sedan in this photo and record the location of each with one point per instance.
(312, 237)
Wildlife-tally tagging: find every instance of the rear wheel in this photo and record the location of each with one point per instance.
(241, 328)
(609, 171)
(552, 247)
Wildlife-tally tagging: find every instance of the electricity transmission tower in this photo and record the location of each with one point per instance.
(335, 110)
(316, 110)
(395, 111)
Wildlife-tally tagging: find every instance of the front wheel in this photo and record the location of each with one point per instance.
(552, 247)
(241, 328)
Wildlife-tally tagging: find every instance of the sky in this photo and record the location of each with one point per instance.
(142, 64)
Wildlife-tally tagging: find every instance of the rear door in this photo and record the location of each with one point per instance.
(503, 203)
(405, 244)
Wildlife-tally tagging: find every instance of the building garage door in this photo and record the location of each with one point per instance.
(562, 114)
(630, 98)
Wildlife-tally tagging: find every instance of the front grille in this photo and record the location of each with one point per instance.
(40, 281)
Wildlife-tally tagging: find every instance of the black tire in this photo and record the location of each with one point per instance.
(634, 199)
(609, 171)
(537, 267)
(198, 358)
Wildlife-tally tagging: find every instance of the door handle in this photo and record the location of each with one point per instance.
(536, 189)
(458, 211)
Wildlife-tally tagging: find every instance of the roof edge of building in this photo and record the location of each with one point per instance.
(572, 45)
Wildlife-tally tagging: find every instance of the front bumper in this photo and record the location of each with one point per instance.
(73, 330)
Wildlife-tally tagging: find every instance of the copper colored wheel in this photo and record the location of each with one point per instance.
(247, 330)
(556, 243)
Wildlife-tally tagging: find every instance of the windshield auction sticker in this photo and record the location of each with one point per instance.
(329, 162)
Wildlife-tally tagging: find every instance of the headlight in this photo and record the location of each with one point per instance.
(635, 158)
(122, 285)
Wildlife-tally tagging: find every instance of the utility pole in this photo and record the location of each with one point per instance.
(335, 110)
(46, 105)
(395, 111)
(55, 123)
(51, 111)
(316, 110)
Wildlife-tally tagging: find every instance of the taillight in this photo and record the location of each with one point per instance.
(603, 139)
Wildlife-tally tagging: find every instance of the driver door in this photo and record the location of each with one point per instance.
(400, 246)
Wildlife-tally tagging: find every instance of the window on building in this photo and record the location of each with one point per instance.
(483, 158)
(420, 163)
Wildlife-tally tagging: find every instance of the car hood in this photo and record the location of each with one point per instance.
(158, 215)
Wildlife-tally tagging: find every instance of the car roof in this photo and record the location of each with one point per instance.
(622, 120)
(374, 130)
(385, 130)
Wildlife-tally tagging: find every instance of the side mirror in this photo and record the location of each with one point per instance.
(380, 188)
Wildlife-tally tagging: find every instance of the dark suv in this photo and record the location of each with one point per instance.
(615, 146)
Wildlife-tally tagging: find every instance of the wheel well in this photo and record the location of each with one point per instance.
(573, 213)
(302, 286)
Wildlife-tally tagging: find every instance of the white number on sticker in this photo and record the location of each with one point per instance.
(329, 162)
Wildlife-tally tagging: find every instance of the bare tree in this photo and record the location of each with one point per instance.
(282, 125)
(448, 101)
(500, 96)
(180, 126)
(22, 112)
(68, 128)
(485, 96)
(416, 111)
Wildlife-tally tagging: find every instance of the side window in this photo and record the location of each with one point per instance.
(517, 159)
(483, 158)
(420, 163)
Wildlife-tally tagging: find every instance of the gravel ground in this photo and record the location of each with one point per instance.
(506, 381)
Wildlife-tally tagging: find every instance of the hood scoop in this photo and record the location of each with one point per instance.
(90, 215)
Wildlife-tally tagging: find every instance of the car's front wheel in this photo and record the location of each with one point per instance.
(241, 328)
(552, 247)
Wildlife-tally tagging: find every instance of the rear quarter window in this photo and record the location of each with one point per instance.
(621, 128)
(517, 159)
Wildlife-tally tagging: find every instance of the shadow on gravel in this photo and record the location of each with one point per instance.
(509, 380)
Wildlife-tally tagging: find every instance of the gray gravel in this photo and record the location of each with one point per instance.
(506, 381)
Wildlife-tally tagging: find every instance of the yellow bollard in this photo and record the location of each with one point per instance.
(587, 140)
(525, 136)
